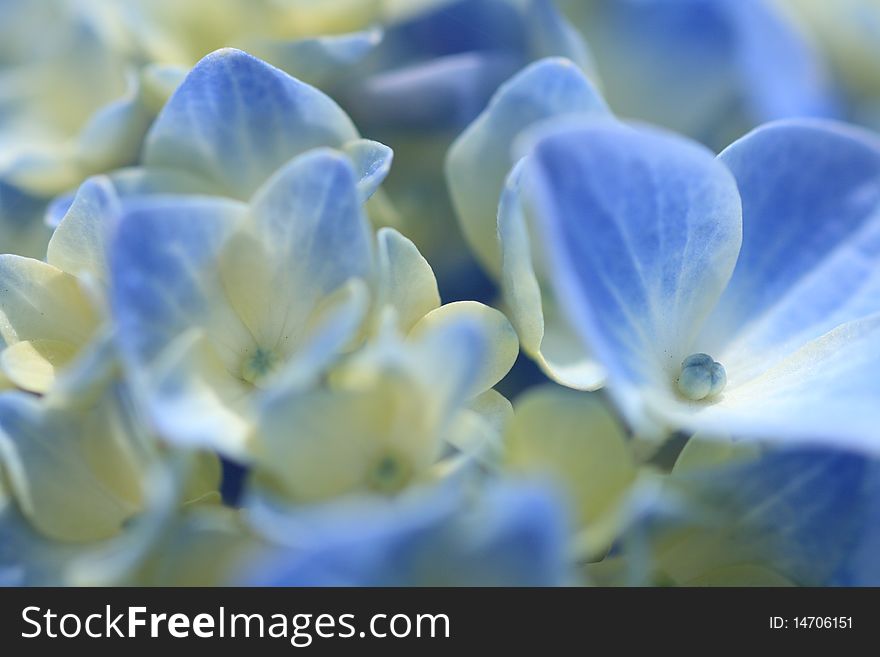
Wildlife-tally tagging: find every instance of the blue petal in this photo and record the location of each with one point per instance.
(642, 231)
(810, 513)
(439, 95)
(455, 56)
(512, 536)
(156, 261)
(313, 202)
(810, 259)
(315, 237)
(825, 392)
(372, 162)
(234, 120)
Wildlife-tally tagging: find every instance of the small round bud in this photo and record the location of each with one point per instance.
(701, 377)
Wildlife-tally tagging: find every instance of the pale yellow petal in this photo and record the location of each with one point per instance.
(503, 342)
(41, 302)
(75, 474)
(406, 281)
(573, 439)
(32, 365)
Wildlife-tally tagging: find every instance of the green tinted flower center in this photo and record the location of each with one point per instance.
(389, 474)
(701, 377)
(256, 366)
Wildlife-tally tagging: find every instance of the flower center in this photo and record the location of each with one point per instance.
(701, 377)
(389, 474)
(257, 366)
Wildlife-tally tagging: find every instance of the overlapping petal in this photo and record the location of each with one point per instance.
(479, 161)
(235, 120)
(511, 535)
(643, 230)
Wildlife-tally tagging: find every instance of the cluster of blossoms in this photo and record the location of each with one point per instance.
(226, 359)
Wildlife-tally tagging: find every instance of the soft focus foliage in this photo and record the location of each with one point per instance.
(439, 292)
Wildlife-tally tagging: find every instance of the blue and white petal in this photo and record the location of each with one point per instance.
(804, 513)
(544, 332)
(642, 231)
(313, 237)
(235, 120)
(811, 241)
(79, 244)
(162, 281)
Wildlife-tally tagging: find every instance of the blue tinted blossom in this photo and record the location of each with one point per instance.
(764, 259)
(210, 261)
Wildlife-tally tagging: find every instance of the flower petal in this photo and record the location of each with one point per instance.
(193, 401)
(313, 236)
(78, 245)
(406, 281)
(73, 473)
(163, 273)
(574, 441)
(826, 392)
(810, 259)
(806, 513)
(543, 331)
(510, 535)
(481, 157)
(32, 365)
(501, 340)
(642, 230)
(41, 302)
(372, 162)
(234, 120)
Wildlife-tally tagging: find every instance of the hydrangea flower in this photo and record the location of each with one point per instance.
(388, 417)
(678, 268)
(214, 298)
(302, 223)
(710, 69)
(217, 300)
(477, 169)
